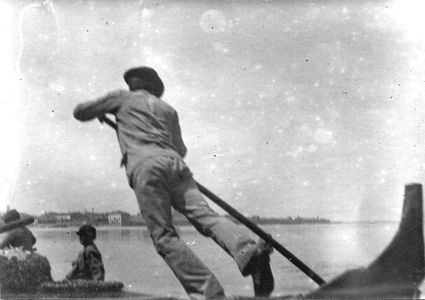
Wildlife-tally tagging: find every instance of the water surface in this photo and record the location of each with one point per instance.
(130, 257)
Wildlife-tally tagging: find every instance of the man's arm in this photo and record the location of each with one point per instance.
(177, 136)
(98, 108)
(75, 268)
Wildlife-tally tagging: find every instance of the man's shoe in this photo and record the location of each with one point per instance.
(260, 270)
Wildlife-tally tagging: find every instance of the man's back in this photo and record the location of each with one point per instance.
(147, 126)
(143, 119)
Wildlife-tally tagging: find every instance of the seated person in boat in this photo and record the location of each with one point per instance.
(18, 237)
(88, 265)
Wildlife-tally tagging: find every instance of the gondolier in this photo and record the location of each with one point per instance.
(150, 139)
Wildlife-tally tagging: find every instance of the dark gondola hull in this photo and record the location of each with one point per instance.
(398, 271)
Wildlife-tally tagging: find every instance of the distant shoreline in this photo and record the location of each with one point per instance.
(176, 223)
(179, 220)
(186, 224)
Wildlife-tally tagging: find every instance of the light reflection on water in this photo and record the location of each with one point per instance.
(328, 249)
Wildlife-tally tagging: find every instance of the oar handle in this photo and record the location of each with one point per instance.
(248, 223)
(261, 233)
(108, 121)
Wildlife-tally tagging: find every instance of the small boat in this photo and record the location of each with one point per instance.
(396, 273)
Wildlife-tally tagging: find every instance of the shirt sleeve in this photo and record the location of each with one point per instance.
(177, 135)
(109, 103)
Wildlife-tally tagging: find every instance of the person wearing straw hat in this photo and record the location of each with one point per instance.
(152, 147)
(18, 237)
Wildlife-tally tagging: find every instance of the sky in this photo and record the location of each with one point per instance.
(309, 108)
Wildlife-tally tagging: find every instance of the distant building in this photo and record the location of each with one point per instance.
(118, 218)
(62, 217)
(53, 217)
(47, 218)
(137, 220)
(72, 218)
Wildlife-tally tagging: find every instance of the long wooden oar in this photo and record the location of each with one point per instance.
(15, 224)
(262, 234)
(251, 225)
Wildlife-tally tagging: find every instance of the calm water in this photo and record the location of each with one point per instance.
(129, 256)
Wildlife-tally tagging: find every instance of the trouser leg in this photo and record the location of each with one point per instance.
(235, 240)
(252, 258)
(154, 202)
